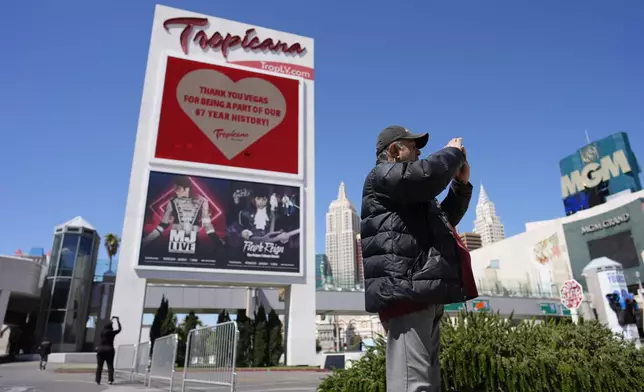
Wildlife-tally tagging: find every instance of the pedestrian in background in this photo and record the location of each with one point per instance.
(44, 349)
(105, 351)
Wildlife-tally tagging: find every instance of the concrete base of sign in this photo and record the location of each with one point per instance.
(300, 325)
(127, 305)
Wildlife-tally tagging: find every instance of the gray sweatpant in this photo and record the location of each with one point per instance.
(413, 346)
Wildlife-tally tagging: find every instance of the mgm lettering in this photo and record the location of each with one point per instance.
(594, 173)
(593, 227)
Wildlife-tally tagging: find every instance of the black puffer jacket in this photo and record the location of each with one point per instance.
(409, 250)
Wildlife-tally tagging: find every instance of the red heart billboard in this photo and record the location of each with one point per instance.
(227, 116)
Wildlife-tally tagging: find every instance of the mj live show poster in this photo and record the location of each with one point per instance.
(200, 222)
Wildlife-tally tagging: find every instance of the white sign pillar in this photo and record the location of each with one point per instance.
(605, 276)
(300, 324)
(223, 103)
(574, 315)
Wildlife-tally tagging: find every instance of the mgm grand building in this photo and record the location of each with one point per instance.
(551, 252)
(614, 230)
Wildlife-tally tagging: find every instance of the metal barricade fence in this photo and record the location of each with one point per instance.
(124, 361)
(142, 360)
(164, 355)
(210, 356)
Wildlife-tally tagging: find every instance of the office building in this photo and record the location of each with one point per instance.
(487, 224)
(21, 279)
(471, 240)
(550, 252)
(67, 288)
(342, 226)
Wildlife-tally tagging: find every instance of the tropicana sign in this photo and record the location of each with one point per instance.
(227, 42)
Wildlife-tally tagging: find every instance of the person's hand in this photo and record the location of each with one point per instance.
(463, 174)
(457, 142)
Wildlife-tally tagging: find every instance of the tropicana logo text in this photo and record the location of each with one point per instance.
(227, 42)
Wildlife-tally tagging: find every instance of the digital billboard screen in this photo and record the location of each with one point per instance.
(215, 223)
(619, 247)
(220, 115)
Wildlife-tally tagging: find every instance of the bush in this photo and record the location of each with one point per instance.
(244, 344)
(275, 342)
(159, 318)
(365, 375)
(260, 338)
(482, 352)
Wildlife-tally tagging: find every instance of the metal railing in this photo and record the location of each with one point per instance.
(516, 288)
(142, 361)
(124, 361)
(500, 288)
(210, 356)
(164, 354)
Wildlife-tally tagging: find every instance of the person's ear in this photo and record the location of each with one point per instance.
(393, 151)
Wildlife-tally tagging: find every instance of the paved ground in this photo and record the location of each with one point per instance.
(25, 377)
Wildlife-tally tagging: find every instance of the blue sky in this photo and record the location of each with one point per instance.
(519, 80)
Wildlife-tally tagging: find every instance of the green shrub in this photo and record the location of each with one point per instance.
(260, 338)
(482, 352)
(275, 342)
(365, 375)
(245, 342)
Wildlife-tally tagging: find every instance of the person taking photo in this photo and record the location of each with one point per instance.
(414, 260)
(105, 351)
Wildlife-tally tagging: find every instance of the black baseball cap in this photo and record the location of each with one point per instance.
(394, 133)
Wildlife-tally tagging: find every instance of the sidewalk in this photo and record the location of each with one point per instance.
(89, 368)
(25, 377)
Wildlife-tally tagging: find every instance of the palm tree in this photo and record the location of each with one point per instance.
(111, 242)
